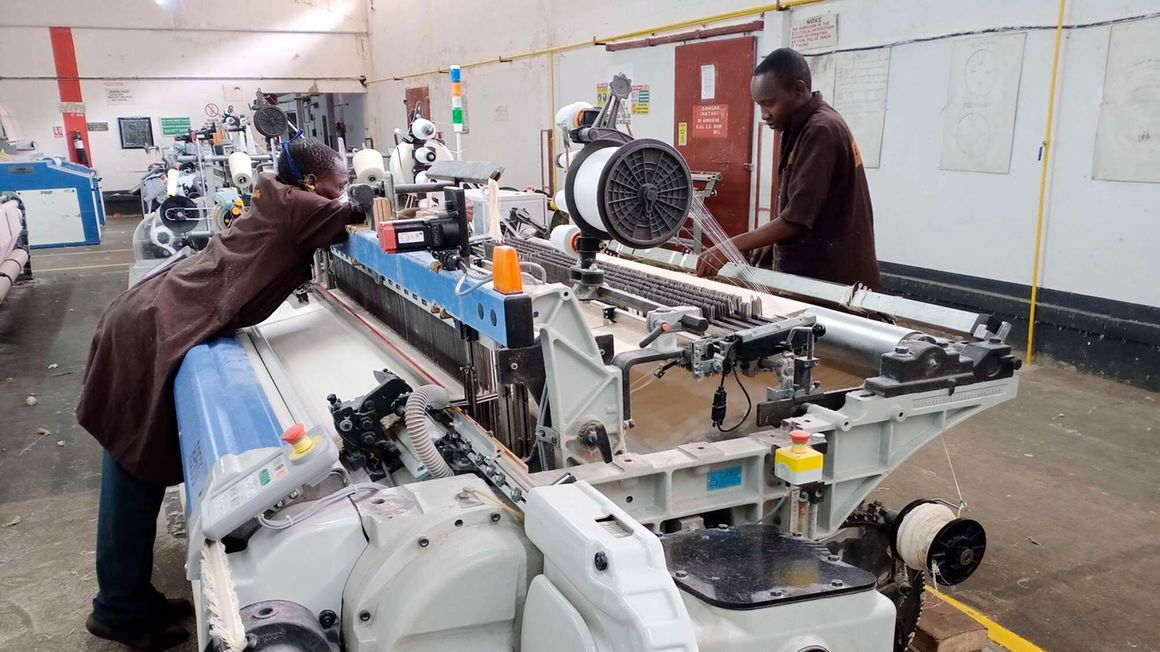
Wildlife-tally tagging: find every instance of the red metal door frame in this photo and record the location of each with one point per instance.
(719, 125)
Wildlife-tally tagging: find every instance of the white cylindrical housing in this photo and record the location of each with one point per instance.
(563, 237)
(423, 129)
(368, 165)
(586, 189)
(241, 169)
(171, 181)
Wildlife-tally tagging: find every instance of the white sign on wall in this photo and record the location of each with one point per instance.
(860, 83)
(815, 32)
(116, 93)
(982, 95)
(1128, 133)
(708, 82)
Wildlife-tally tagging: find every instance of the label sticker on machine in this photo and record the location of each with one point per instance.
(408, 237)
(723, 478)
(247, 487)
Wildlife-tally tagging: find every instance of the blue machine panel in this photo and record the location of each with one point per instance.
(49, 174)
(221, 410)
(507, 319)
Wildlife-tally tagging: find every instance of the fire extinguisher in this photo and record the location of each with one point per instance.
(79, 147)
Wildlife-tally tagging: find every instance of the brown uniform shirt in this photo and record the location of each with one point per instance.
(238, 280)
(822, 186)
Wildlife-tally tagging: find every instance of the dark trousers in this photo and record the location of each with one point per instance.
(126, 529)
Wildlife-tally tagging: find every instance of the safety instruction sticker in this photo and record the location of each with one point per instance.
(175, 126)
(639, 99)
(682, 134)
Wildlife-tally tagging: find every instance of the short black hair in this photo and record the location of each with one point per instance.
(310, 157)
(788, 65)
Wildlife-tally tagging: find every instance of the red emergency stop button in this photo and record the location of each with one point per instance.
(295, 435)
(799, 436)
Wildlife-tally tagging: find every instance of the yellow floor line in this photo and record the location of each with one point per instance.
(996, 632)
(36, 271)
(90, 252)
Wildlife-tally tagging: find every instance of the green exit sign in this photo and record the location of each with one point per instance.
(175, 126)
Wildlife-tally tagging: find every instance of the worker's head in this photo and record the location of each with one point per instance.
(781, 86)
(311, 165)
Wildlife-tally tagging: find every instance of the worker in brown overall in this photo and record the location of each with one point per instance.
(824, 225)
(127, 402)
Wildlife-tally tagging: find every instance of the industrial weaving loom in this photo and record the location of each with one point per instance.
(455, 442)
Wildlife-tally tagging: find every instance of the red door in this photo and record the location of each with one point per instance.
(419, 96)
(714, 121)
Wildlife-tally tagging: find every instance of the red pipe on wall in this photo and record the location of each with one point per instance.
(65, 57)
(696, 35)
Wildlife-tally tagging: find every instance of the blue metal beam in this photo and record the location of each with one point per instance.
(507, 319)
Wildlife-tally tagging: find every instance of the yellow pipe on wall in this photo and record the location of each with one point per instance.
(1043, 186)
(552, 169)
(782, 5)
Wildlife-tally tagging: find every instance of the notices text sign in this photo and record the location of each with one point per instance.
(711, 121)
(814, 32)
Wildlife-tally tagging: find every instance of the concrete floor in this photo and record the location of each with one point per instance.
(1064, 478)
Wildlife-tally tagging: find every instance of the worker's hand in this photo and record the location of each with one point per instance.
(711, 261)
(761, 257)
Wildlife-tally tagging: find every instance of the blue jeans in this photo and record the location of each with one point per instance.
(126, 529)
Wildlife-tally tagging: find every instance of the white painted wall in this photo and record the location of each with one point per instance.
(277, 45)
(523, 86)
(1102, 235)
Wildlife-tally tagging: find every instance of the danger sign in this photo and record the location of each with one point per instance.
(212, 110)
(711, 121)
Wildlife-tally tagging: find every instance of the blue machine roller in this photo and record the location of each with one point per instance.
(235, 462)
(221, 410)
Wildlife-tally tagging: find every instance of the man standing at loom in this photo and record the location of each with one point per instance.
(824, 227)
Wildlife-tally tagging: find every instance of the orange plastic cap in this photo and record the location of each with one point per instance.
(505, 264)
(799, 436)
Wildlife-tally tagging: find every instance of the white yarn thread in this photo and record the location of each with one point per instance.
(962, 502)
(918, 530)
(494, 216)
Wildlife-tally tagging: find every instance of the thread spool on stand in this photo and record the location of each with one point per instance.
(637, 192)
(241, 169)
(928, 537)
(368, 166)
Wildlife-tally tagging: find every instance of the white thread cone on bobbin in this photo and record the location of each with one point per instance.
(918, 530)
(241, 169)
(368, 165)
